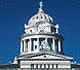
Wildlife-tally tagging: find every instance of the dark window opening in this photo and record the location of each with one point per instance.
(56, 65)
(36, 65)
(56, 44)
(44, 56)
(45, 17)
(30, 30)
(32, 45)
(41, 30)
(35, 46)
(37, 17)
(52, 29)
(41, 17)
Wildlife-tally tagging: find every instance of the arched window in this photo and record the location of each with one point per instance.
(37, 17)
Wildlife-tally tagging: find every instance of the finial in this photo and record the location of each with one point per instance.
(41, 4)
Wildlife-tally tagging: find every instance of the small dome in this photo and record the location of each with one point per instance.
(40, 17)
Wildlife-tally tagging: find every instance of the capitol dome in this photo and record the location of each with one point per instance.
(40, 17)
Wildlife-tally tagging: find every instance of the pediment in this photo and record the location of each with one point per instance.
(45, 56)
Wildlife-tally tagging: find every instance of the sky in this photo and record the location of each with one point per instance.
(15, 13)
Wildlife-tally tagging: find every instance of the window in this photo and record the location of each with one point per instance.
(52, 29)
(36, 65)
(45, 56)
(35, 46)
(32, 65)
(31, 31)
(41, 17)
(45, 17)
(56, 44)
(37, 17)
(56, 65)
(41, 30)
(44, 66)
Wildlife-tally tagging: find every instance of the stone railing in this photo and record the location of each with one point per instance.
(35, 69)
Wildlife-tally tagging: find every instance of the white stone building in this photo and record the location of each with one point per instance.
(41, 46)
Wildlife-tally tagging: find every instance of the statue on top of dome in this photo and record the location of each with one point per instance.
(41, 4)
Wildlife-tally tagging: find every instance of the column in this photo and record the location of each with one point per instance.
(50, 65)
(56, 30)
(21, 49)
(46, 65)
(42, 65)
(45, 39)
(37, 44)
(24, 45)
(57, 27)
(34, 66)
(53, 46)
(38, 65)
(30, 46)
(59, 45)
(34, 45)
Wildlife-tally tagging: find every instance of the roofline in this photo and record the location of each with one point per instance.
(58, 35)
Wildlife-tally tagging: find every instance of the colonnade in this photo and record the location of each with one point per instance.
(26, 45)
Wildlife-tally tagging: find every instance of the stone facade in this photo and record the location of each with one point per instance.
(41, 46)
